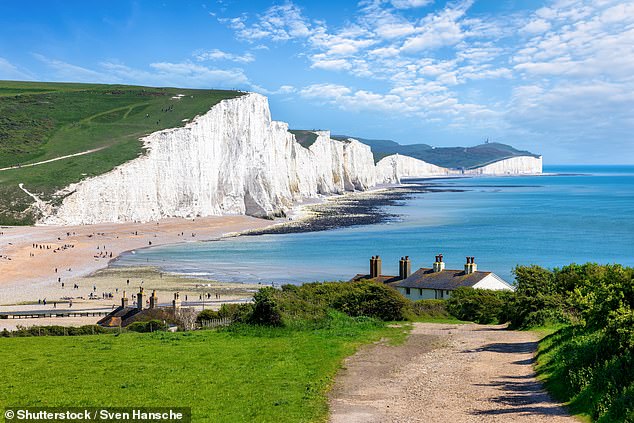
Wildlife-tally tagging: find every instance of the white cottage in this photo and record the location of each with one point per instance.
(435, 282)
(438, 282)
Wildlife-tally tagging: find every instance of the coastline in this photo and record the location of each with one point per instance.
(26, 278)
(30, 255)
(36, 260)
(353, 208)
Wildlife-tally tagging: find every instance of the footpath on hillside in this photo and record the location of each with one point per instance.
(445, 373)
(94, 150)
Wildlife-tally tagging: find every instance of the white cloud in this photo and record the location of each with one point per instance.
(384, 52)
(536, 26)
(330, 64)
(216, 54)
(10, 71)
(200, 75)
(324, 91)
(438, 30)
(279, 23)
(68, 72)
(464, 68)
(283, 89)
(410, 4)
(183, 74)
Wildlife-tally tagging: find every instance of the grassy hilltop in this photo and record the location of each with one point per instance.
(40, 121)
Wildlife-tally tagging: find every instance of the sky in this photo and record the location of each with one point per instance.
(555, 77)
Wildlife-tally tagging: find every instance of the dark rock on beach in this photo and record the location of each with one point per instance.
(363, 208)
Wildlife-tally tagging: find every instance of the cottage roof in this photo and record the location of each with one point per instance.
(445, 279)
(380, 278)
(119, 316)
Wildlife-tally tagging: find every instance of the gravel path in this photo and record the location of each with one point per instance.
(445, 373)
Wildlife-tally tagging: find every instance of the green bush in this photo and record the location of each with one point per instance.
(57, 331)
(309, 304)
(150, 326)
(479, 305)
(207, 315)
(590, 362)
(372, 300)
(583, 370)
(235, 312)
(430, 308)
(265, 309)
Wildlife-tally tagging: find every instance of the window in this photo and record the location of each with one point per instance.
(406, 291)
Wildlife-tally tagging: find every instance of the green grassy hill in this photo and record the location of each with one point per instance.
(451, 157)
(40, 121)
(245, 374)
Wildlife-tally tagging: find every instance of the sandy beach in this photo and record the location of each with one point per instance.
(69, 264)
(53, 262)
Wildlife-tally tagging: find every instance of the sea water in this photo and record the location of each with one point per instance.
(569, 215)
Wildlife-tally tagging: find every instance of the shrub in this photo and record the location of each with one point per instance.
(429, 308)
(57, 331)
(478, 305)
(236, 312)
(372, 300)
(150, 326)
(207, 315)
(265, 309)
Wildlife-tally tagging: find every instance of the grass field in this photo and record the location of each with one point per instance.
(249, 374)
(41, 121)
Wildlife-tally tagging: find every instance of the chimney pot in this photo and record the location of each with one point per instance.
(439, 266)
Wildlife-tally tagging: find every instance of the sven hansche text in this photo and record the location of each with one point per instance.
(100, 414)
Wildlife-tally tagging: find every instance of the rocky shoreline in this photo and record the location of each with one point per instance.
(356, 209)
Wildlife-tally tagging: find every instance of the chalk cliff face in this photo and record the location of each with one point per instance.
(232, 160)
(521, 165)
(397, 166)
(235, 160)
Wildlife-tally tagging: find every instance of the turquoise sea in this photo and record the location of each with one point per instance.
(577, 214)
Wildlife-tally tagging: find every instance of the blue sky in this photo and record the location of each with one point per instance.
(552, 76)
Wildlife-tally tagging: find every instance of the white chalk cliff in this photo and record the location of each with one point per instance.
(232, 160)
(235, 160)
(399, 166)
(520, 165)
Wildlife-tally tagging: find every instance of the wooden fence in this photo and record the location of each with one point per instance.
(214, 323)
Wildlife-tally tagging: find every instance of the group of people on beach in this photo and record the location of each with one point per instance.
(43, 302)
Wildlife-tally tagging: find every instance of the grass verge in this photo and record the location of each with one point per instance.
(244, 373)
(577, 367)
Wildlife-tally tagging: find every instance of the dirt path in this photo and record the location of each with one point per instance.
(94, 150)
(445, 373)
